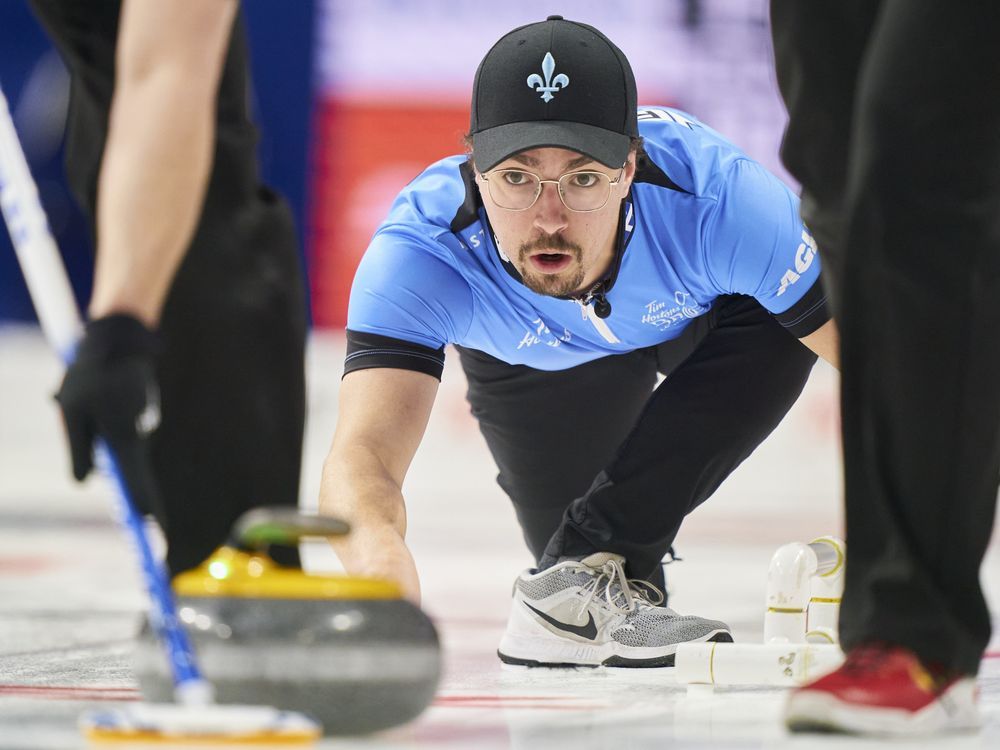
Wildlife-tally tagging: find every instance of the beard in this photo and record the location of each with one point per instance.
(559, 284)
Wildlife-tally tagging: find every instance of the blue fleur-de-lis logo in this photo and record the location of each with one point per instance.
(550, 85)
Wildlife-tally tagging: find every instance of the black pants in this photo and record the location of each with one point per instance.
(594, 459)
(895, 136)
(231, 374)
(232, 379)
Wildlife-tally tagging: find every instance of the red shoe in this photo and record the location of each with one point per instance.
(884, 690)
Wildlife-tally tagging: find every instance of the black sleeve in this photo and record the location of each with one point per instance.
(366, 350)
(808, 314)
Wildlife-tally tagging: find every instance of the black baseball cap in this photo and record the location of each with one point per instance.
(553, 83)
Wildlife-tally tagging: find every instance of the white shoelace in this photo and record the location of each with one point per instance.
(633, 592)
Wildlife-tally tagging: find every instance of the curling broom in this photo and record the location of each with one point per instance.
(194, 716)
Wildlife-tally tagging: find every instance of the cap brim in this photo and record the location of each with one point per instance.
(490, 147)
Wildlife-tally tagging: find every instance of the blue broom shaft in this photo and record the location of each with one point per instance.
(163, 616)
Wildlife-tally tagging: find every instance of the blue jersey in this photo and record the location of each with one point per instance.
(702, 220)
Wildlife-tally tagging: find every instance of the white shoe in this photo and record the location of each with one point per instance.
(587, 613)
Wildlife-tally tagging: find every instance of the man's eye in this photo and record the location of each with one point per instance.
(584, 180)
(515, 178)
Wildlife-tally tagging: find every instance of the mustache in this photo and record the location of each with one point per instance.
(554, 242)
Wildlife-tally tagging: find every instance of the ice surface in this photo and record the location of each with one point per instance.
(70, 597)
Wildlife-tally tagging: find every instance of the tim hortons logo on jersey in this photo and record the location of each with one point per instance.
(550, 86)
(803, 259)
(662, 315)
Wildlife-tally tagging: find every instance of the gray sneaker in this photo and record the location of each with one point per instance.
(588, 614)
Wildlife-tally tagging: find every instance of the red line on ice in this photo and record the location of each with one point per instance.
(553, 702)
(460, 698)
(65, 692)
(21, 564)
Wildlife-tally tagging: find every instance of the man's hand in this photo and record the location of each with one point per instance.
(378, 551)
(110, 391)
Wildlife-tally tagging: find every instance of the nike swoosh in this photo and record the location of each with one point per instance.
(588, 631)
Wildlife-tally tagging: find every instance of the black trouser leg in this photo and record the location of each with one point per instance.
(551, 432)
(232, 378)
(818, 46)
(921, 321)
(917, 291)
(709, 414)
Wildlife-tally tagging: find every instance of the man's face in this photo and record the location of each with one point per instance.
(557, 251)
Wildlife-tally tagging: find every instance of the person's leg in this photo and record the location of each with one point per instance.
(232, 378)
(231, 375)
(818, 49)
(921, 352)
(551, 432)
(709, 414)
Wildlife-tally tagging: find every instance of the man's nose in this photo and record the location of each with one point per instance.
(551, 215)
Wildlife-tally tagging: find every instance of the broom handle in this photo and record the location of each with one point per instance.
(53, 299)
(36, 251)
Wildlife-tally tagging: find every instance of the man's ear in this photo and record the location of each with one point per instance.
(630, 167)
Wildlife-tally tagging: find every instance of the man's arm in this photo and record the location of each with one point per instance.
(157, 158)
(382, 418)
(825, 341)
(159, 149)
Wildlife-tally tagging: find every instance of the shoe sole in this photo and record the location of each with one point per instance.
(616, 660)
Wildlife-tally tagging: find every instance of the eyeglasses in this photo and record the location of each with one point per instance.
(517, 190)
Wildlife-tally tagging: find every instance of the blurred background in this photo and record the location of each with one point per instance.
(354, 99)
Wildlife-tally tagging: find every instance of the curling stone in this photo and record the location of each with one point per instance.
(349, 651)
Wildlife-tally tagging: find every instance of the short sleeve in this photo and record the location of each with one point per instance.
(406, 289)
(757, 245)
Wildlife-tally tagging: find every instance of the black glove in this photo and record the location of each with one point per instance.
(110, 390)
